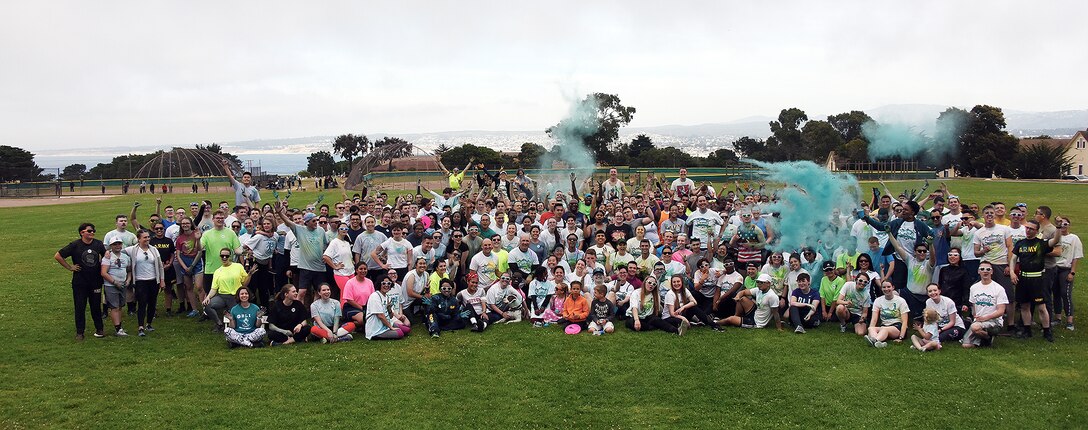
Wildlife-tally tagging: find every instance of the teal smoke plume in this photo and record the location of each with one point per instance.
(570, 149)
(891, 140)
(809, 203)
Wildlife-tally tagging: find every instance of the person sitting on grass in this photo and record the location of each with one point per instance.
(853, 304)
(504, 301)
(540, 292)
(928, 337)
(988, 302)
(949, 324)
(601, 312)
(575, 307)
(555, 311)
(382, 320)
(326, 315)
(287, 320)
(890, 314)
(354, 297)
(756, 307)
(244, 326)
(646, 309)
(442, 310)
(472, 303)
(677, 301)
(225, 283)
(804, 305)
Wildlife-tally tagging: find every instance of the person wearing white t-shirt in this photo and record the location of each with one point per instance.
(756, 307)
(988, 303)
(889, 319)
(683, 186)
(992, 243)
(950, 325)
(1066, 264)
(485, 265)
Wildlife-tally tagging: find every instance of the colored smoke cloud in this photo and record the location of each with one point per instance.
(891, 140)
(570, 148)
(808, 203)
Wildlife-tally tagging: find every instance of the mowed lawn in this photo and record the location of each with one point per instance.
(514, 376)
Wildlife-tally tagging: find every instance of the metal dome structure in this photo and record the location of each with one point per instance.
(182, 163)
(363, 166)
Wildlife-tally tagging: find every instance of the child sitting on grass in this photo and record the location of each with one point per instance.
(928, 337)
(601, 312)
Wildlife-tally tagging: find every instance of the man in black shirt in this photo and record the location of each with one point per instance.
(86, 254)
(1027, 264)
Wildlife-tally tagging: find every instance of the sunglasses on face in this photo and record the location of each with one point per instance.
(90, 230)
(224, 256)
(985, 269)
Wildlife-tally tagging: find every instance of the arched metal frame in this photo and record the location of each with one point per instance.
(182, 163)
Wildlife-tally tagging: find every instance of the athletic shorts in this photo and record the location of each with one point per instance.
(350, 311)
(115, 296)
(854, 319)
(750, 317)
(310, 279)
(898, 326)
(1030, 290)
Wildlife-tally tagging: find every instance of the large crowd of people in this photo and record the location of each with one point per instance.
(495, 249)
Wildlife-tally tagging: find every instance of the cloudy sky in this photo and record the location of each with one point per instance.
(120, 73)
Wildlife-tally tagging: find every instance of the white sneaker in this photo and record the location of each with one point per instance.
(880, 344)
(683, 328)
(121, 332)
(870, 340)
(799, 329)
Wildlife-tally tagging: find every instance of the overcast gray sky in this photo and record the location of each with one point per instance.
(107, 73)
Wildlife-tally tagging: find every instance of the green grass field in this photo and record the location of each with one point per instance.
(182, 375)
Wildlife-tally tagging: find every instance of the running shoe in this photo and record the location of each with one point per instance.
(842, 328)
(99, 334)
(141, 333)
(870, 340)
(121, 332)
(880, 344)
(799, 330)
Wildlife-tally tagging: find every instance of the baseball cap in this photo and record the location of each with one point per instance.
(598, 271)
(829, 265)
(116, 240)
(1021, 205)
(310, 216)
(763, 277)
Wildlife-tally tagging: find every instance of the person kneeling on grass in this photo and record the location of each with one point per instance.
(601, 312)
(890, 312)
(756, 307)
(441, 310)
(287, 320)
(243, 323)
(472, 303)
(853, 304)
(226, 280)
(988, 301)
(805, 304)
(928, 337)
(382, 320)
(326, 314)
(575, 307)
(540, 292)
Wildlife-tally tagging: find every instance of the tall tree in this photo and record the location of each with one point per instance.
(73, 171)
(350, 146)
(320, 163)
(818, 139)
(608, 114)
(639, 144)
(441, 149)
(459, 156)
(986, 148)
(848, 124)
(756, 149)
(786, 133)
(17, 164)
(530, 155)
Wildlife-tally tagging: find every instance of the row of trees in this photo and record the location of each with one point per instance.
(349, 147)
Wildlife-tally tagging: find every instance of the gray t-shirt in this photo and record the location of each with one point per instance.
(327, 309)
(311, 244)
(145, 263)
(240, 191)
(365, 243)
(118, 267)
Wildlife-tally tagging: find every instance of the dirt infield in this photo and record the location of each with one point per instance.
(46, 201)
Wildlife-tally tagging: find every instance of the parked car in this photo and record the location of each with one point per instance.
(1077, 178)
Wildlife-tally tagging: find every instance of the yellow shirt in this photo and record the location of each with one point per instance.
(435, 280)
(455, 180)
(227, 279)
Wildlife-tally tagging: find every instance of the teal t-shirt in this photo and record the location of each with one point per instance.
(311, 244)
(245, 318)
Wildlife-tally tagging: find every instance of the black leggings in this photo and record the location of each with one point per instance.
(262, 285)
(951, 335)
(797, 315)
(701, 314)
(651, 323)
(147, 296)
